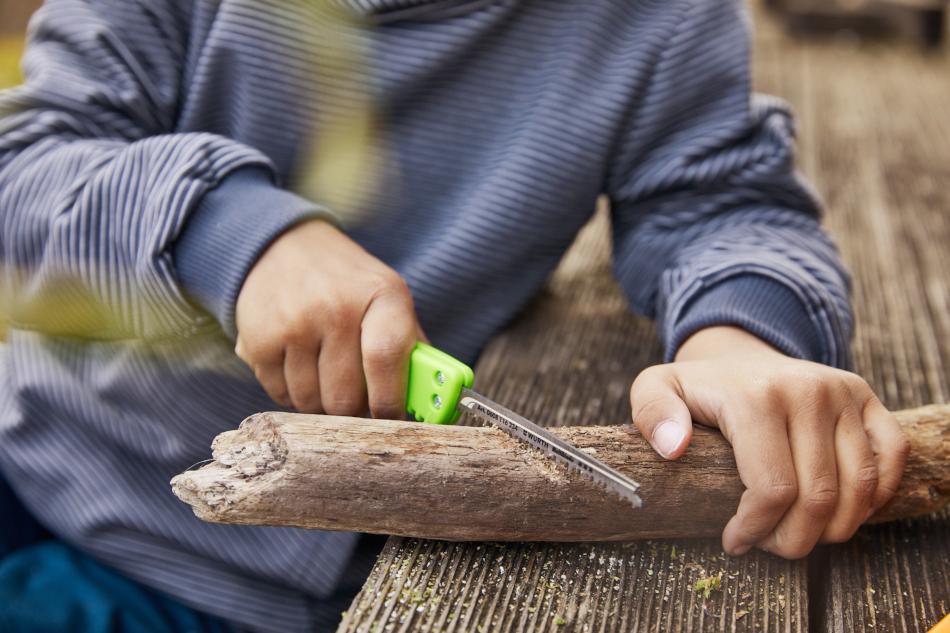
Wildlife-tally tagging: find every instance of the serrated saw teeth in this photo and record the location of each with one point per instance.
(552, 446)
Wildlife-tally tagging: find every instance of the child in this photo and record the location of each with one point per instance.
(213, 206)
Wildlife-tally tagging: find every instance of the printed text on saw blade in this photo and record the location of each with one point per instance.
(540, 438)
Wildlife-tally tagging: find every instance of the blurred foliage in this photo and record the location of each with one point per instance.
(342, 166)
(10, 50)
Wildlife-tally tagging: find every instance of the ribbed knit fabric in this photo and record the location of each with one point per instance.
(156, 148)
(230, 227)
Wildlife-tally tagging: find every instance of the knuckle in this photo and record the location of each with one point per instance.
(337, 317)
(297, 332)
(856, 386)
(390, 283)
(387, 349)
(398, 284)
(773, 392)
(646, 403)
(653, 372)
(259, 351)
(886, 489)
(643, 388)
(812, 391)
(779, 494)
(820, 500)
(865, 480)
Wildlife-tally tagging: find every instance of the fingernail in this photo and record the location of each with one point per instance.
(667, 437)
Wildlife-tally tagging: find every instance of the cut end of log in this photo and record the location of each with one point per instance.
(925, 487)
(245, 460)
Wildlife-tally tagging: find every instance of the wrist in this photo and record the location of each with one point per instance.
(226, 234)
(722, 340)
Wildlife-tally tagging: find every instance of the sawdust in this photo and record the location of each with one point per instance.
(547, 467)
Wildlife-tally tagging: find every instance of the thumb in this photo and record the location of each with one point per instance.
(659, 412)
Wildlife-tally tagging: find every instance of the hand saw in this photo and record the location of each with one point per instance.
(440, 387)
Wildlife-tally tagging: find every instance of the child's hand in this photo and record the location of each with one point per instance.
(326, 326)
(817, 451)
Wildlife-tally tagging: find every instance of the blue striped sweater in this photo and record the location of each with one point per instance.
(158, 146)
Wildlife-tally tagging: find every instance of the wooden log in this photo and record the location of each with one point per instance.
(476, 483)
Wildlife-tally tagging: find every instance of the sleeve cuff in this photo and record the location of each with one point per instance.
(226, 233)
(757, 304)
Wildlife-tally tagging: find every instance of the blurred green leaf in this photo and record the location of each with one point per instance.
(11, 48)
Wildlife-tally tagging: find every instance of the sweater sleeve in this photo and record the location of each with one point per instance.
(97, 185)
(712, 224)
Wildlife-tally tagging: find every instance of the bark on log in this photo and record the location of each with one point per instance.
(476, 483)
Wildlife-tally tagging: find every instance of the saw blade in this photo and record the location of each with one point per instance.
(551, 445)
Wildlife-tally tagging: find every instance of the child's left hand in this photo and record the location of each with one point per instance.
(817, 451)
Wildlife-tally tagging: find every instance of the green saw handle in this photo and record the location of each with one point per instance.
(436, 381)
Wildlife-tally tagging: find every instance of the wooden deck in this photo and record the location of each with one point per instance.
(875, 139)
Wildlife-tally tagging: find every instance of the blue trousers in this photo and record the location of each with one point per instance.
(47, 586)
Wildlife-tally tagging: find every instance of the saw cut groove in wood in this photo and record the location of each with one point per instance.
(478, 484)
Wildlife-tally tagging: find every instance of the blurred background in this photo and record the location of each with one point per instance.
(14, 15)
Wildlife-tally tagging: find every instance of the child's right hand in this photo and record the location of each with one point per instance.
(327, 327)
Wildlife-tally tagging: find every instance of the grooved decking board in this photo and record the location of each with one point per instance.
(875, 139)
(876, 142)
(643, 586)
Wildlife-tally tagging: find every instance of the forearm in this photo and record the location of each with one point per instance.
(712, 225)
(97, 184)
(89, 225)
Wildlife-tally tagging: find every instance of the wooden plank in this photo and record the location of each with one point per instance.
(571, 360)
(877, 145)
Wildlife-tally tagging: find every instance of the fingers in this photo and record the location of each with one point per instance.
(764, 461)
(857, 478)
(812, 443)
(660, 413)
(389, 333)
(342, 385)
(267, 362)
(334, 364)
(303, 381)
(890, 447)
(299, 316)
